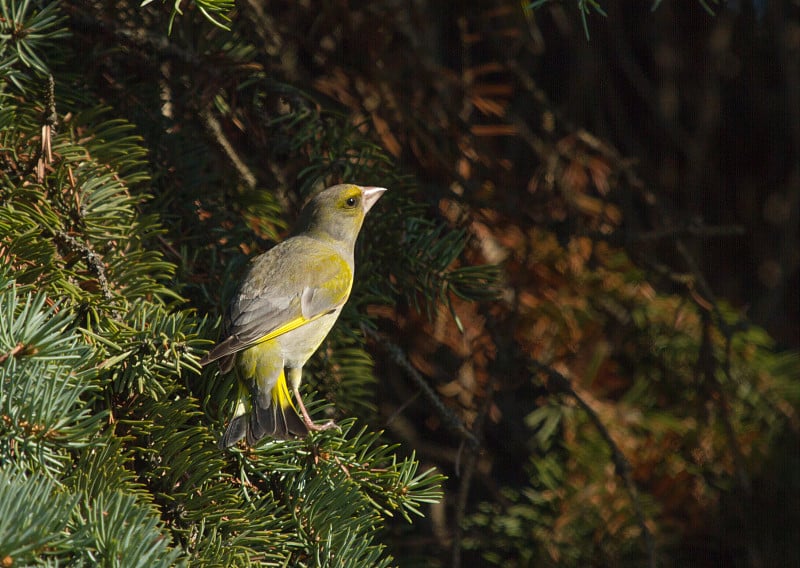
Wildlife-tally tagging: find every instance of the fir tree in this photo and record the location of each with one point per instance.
(108, 429)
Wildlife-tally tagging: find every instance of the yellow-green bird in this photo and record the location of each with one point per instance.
(287, 303)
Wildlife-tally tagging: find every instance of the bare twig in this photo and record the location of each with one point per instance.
(449, 418)
(215, 129)
(470, 440)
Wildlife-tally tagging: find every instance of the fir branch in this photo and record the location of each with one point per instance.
(29, 35)
(334, 486)
(46, 387)
(117, 529)
(215, 11)
(431, 272)
(33, 516)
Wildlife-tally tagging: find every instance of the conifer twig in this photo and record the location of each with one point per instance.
(16, 349)
(49, 124)
(43, 155)
(92, 259)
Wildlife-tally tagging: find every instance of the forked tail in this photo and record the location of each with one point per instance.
(274, 420)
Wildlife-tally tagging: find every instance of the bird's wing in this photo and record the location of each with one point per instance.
(268, 304)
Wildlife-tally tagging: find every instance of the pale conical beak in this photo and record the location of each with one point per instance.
(371, 197)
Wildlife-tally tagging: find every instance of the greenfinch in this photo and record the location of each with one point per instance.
(285, 306)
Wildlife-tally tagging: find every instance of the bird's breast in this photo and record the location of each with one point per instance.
(301, 343)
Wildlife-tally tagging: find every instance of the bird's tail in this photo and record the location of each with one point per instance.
(257, 417)
(276, 421)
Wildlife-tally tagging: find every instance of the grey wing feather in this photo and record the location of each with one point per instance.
(315, 301)
(259, 317)
(264, 303)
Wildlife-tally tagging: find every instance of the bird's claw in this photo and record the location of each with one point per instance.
(329, 425)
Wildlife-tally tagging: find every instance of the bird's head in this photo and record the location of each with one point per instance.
(337, 213)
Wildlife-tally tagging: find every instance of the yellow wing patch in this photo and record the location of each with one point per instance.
(286, 328)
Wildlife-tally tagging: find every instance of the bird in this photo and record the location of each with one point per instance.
(287, 302)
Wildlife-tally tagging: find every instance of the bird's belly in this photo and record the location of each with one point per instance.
(301, 343)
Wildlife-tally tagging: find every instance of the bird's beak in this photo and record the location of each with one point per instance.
(371, 197)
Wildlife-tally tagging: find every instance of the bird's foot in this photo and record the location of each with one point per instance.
(329, 425)
(310, 424)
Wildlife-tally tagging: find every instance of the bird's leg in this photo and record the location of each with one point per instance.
(307, 419)
(295, 376)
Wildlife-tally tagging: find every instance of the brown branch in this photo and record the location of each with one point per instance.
(43, 155)
(461, 505)
(708, 368)
(471, 461)
(215, 130)
(693, 229)
(558, 383)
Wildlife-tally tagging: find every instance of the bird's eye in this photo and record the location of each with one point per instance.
(351, 201)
